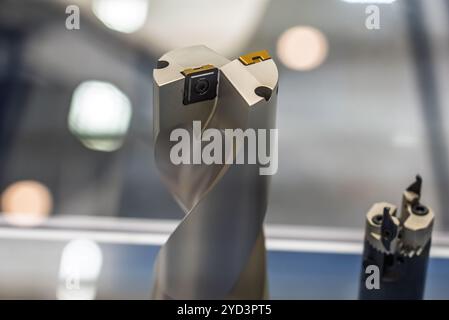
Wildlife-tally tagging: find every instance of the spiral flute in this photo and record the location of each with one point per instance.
(218, 250)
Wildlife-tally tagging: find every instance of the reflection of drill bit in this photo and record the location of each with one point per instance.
(218, 251)
(398, 244)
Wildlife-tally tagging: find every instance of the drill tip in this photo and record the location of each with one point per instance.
(415, 187)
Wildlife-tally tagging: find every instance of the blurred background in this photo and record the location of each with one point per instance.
(361, 112)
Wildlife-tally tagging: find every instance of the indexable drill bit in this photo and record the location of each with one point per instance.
(396, 250)
(218, 249)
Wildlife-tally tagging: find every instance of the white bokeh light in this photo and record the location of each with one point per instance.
(125, 16)
(224, 26)
(79, 269)
(99, 115)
